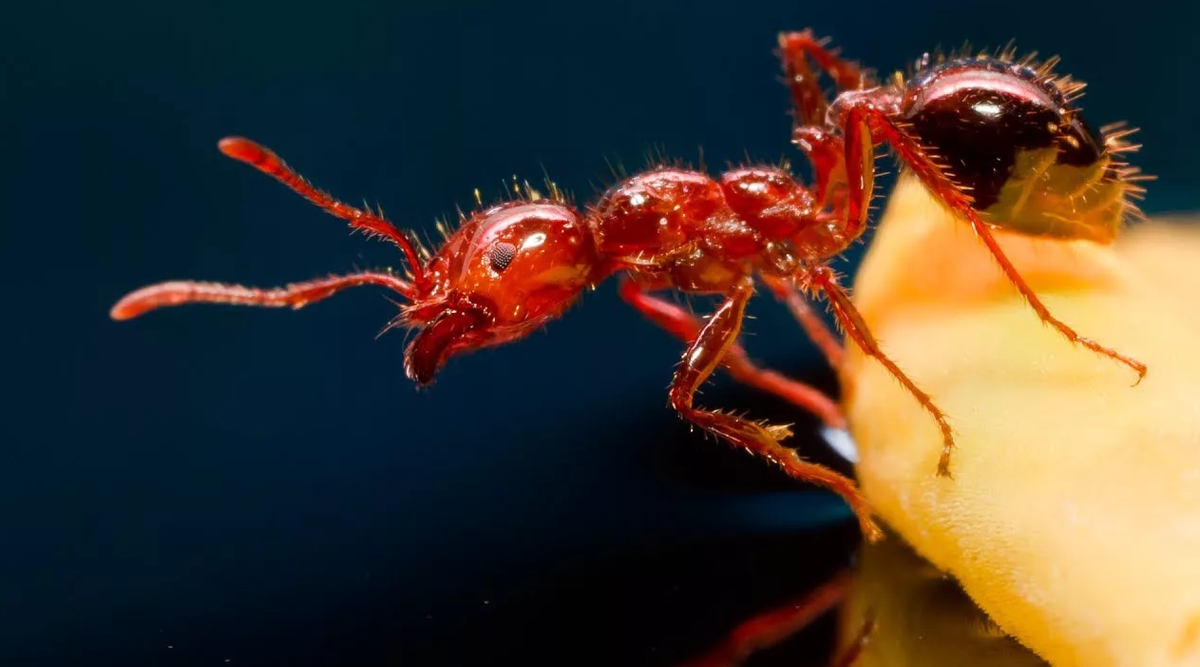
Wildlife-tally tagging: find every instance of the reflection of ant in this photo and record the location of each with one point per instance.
(893, 608)
(773, 627)
(993, 139)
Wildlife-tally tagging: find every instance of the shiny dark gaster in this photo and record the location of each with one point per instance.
(978, 130)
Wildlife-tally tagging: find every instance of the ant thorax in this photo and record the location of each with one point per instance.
(1009, 136)
(684, 229)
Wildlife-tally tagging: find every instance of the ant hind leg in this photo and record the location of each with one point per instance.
(809, 99)
(810, 132)
(686, 327)
(856, 328)
(708, 351)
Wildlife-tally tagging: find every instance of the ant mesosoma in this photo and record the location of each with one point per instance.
(994, 139)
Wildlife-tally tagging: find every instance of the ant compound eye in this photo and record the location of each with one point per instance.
(501, 255)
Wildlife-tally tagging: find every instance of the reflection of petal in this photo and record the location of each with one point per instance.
(922, 619)
(909, 613)
(1073, 516)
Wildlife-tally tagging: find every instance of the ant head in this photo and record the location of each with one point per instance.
(507, 271)
(1010, 135)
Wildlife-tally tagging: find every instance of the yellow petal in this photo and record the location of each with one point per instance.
(1073, 517)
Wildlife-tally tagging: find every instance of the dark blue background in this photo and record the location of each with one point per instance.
(264, 487)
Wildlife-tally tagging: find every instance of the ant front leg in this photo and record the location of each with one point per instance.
(856, 328)
(867, 120)
(686, 327)
(710, 350)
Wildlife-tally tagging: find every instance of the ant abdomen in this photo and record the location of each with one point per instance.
(1009, 137)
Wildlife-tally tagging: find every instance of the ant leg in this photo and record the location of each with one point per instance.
(810, 132)
(807, 96)
(266, 161)
(852, 321)
(827, 153)
(772, 627)
(708, 351)
(686, 326)
(820, 334)
(296, 295)
(859, 112)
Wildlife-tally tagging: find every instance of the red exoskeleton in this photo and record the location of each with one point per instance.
(997, 141)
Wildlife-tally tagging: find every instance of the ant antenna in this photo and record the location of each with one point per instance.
(266, 161)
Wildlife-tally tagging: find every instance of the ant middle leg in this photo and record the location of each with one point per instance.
(710, 350)
(686, 327)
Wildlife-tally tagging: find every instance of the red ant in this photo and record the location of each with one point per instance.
(991, 138)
